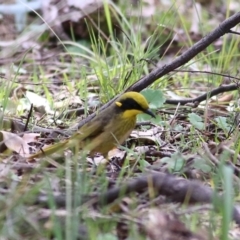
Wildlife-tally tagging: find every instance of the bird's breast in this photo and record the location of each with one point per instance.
(122, 130)
(113, 134)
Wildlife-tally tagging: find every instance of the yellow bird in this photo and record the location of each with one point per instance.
(107, 130)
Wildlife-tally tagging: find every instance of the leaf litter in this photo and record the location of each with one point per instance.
(172, 144)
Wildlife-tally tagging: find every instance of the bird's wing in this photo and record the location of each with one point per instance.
(88, 131)
(60, 146)
(86, 134)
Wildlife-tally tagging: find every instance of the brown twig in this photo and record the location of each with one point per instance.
(234, 32)
(208, 72)
(205, 96)
(176, 189)
(216, 162)
(28, 118)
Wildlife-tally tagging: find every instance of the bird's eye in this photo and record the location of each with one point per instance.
(135, 106)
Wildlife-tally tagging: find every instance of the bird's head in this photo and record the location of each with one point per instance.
(132, 104)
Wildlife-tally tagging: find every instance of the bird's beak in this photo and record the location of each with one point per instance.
(149, 113)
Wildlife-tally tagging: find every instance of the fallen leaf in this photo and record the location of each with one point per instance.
(15, 143)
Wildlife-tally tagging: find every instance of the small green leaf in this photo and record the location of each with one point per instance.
(175, 162)
(178, 127)
(222, 123)
(196, 121)
(202, 165)
(154, 97)
(144, 117)
(79, 48)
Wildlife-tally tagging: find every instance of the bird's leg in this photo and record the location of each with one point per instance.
(94, 166)
(115, 165)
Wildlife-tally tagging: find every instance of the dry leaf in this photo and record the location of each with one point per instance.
(15, 143)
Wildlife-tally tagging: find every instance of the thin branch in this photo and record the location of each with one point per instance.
(28, 118)
(205, 96)
(211, 73)
(234, 32)
(198, 47)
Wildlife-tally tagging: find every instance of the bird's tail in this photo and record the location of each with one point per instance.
(60, 146)
(76, 140)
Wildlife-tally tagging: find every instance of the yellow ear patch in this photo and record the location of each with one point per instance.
(118, 104)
